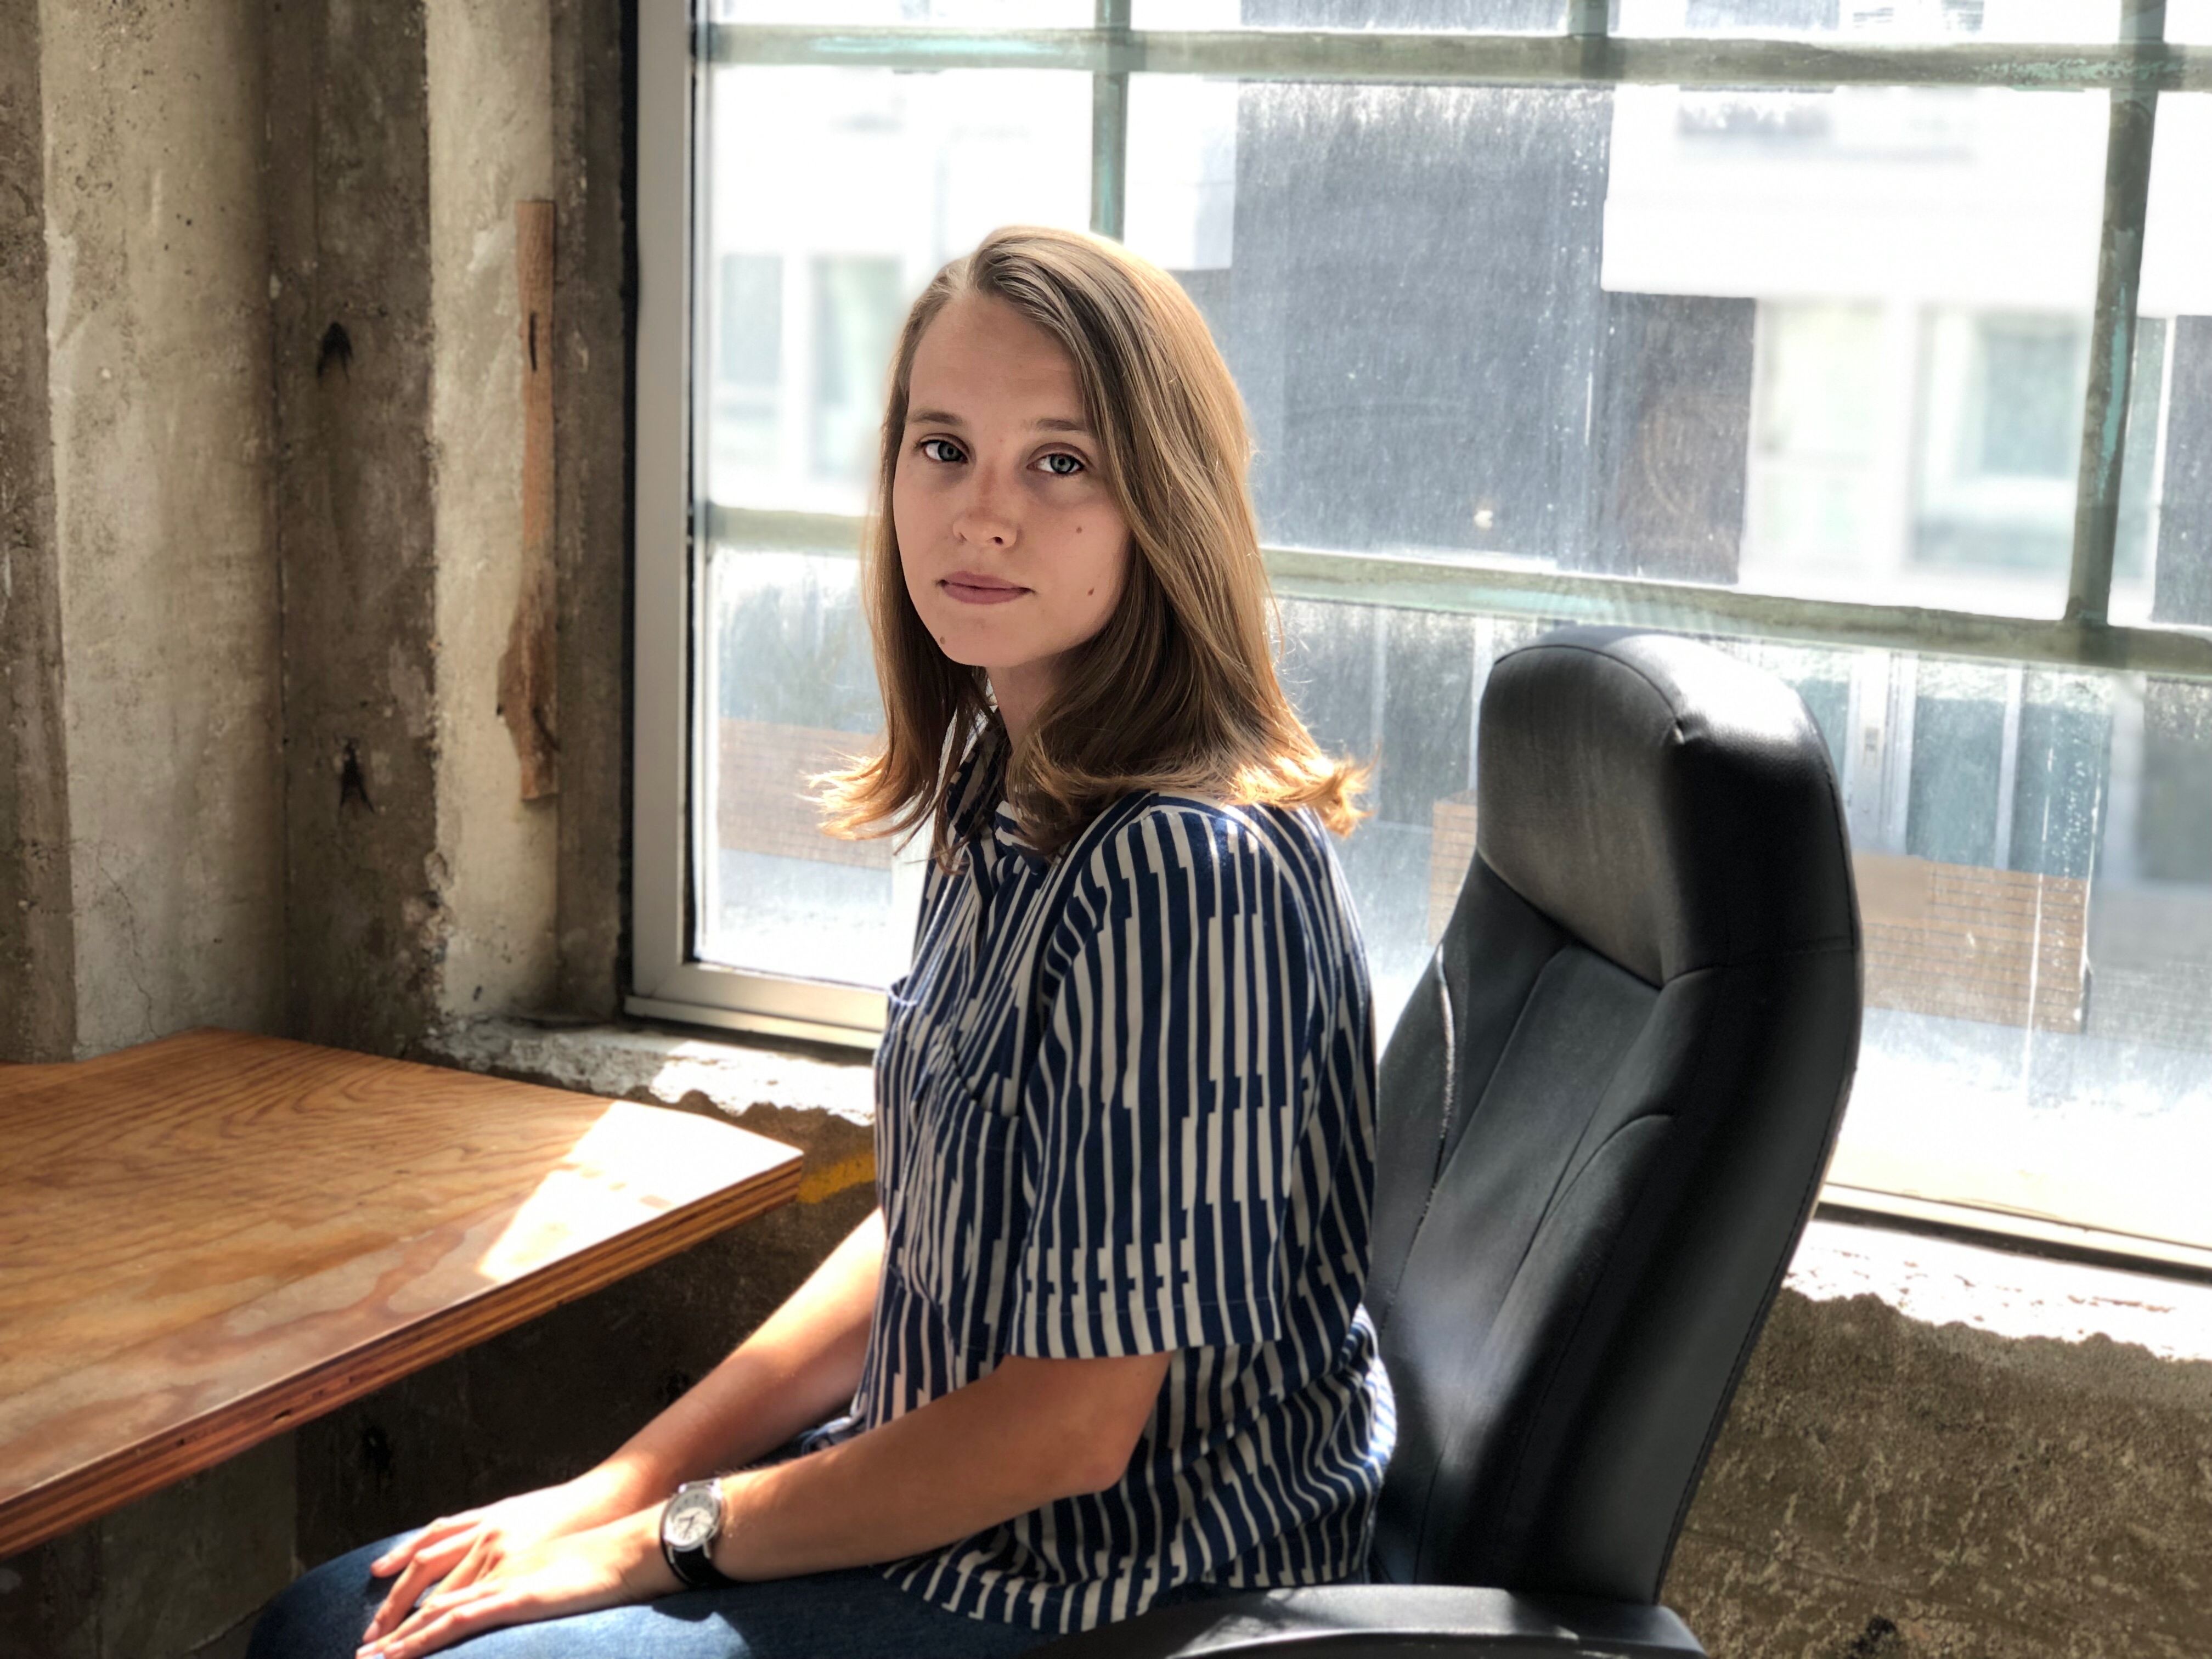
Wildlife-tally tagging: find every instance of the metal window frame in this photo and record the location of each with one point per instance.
(2133, 70)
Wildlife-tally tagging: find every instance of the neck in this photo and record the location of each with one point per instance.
(1020, 692)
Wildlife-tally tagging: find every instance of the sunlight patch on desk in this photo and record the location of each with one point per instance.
(587, 1198)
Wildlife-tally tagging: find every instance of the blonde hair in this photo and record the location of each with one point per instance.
(1178, 692)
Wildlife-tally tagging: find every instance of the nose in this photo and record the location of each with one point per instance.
(986, 518)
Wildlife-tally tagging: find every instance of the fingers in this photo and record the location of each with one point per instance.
(404, 1550)
(449, 1617)
(550, 1581)
(459, 1559)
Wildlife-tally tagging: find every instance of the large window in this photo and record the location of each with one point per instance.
(1871, 342)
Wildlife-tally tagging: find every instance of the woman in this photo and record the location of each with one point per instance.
(1101, 1347)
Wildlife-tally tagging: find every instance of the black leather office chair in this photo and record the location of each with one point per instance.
(1605, 1116)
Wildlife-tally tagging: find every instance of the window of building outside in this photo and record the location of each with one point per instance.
(1806, 369)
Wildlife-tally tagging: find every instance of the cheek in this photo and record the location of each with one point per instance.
(906, 510)
(910, 532)
(1109, 572)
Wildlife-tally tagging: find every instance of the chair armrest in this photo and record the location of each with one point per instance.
(1367, 1621)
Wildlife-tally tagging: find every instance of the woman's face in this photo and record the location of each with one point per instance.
(1013, 549)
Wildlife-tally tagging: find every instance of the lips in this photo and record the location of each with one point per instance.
(971, 588)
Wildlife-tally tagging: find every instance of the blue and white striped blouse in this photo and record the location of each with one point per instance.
(1185, 1162)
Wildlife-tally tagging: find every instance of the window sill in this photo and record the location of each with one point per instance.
(1916, 1258)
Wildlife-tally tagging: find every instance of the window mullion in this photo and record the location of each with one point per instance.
(2112, 333)
(1109, 128)
(1587, 56)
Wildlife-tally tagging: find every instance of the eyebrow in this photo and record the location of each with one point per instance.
(945, 417)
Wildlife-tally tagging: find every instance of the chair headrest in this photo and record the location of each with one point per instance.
(1669, 805)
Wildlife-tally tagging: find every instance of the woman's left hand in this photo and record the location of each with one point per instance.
(607, 1566)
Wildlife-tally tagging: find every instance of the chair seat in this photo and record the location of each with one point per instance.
(1351, 1621)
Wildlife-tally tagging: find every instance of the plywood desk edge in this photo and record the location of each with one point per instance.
(99, 1488)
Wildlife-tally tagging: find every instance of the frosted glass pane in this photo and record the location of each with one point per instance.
(2163, 562)
(2033, 877)
(952, 14)
(1489, 16)
(808, 267)
(2057, 21)
(790, 693)
(1833, 345)
(829, 198)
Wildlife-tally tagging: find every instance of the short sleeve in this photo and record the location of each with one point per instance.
(1166, 1107)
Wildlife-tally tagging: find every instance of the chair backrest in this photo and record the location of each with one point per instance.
(1606, 1109)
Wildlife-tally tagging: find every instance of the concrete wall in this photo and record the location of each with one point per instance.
(260, 421)
(490, 116)
(1894, 1482)
(38, 971)
(354, 350)
(157, 328)
(260, 454)
(260, 540)
(137, 776)
(594, 291)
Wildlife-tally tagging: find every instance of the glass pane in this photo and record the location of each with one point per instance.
(2036, 891)
(791, 694)
(807, 268)
(1489, 16)
(2050, 21)
(952, 14)
(2034, 879)
(2189, 22)
(1828, 343)
(2163, 562)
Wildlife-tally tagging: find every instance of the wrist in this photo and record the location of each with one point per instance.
(730, 1554)
(693, 1524)
(622, 1485)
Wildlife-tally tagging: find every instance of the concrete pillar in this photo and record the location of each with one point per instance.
(421, 887)
(592, 291)
(38, 976)
(349, 233)
(158, 377)
(490, 105)
(141, 889)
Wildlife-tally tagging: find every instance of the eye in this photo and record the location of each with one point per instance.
(1060, 464)
(940, 449)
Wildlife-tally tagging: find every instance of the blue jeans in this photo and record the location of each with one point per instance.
(856, 1613)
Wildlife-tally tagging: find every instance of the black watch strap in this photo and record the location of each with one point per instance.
(691, 1523)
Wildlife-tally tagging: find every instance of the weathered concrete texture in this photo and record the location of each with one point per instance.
(158, 332)
(38, 973)
(350, 216)
(163, 1576)
(422, 887)
(488, 104)
(1889, 1487)
(591, 294)
(636, 1063)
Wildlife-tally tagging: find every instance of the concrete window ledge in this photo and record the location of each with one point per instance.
(822, 1101)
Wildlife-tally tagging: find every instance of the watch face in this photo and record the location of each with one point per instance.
(691, 1519)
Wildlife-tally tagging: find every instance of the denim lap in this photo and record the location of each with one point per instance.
(856, 1613)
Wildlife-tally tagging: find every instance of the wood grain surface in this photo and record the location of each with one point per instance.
(208, 1239)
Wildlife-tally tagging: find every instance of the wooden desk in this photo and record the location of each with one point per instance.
(210, 1238)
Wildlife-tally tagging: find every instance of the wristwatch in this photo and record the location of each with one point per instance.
(690, 1525)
